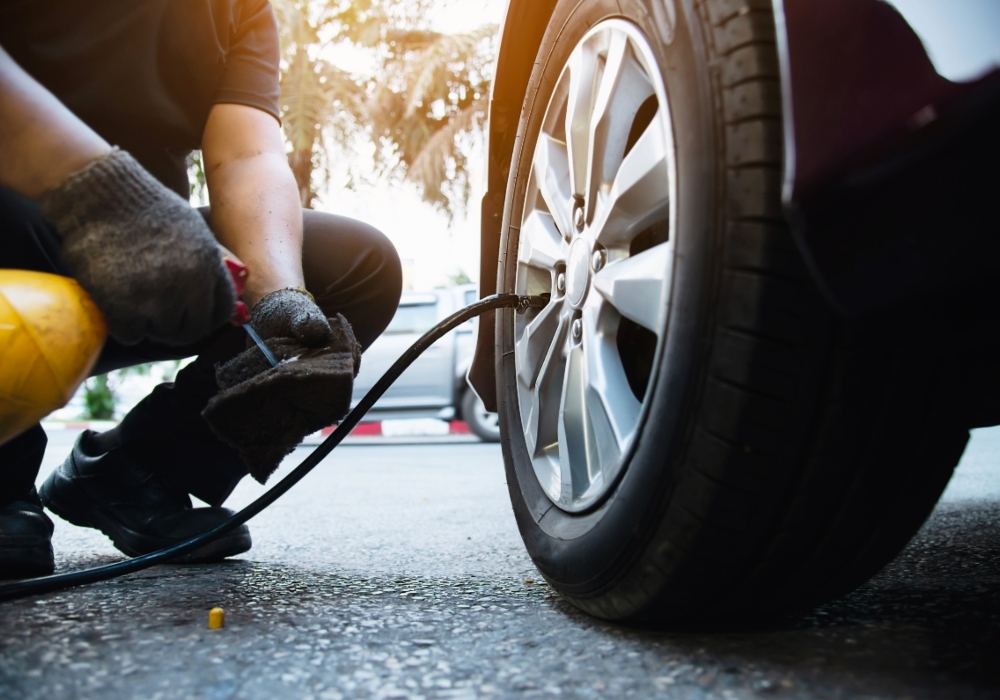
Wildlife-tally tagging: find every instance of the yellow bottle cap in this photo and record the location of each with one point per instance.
(216, 619)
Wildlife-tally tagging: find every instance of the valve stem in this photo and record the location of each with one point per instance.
(532, 302)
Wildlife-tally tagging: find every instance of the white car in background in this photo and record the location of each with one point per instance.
(434, 386)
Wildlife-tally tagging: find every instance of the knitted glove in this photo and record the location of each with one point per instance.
(265, 412)
(291, 313)
(145, 256)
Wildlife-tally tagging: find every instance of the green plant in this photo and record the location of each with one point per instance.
(321, 105)
(197, 183)
(98, 398)
(459, 277)
(100, 393)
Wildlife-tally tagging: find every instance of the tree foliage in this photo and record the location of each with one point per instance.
(99, 400)
(321, 105)
(421, 103)
(432, 94)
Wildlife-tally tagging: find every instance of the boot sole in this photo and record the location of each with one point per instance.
(133, 543)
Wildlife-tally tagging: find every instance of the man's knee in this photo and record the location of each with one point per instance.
(390, 274)
(352, 268)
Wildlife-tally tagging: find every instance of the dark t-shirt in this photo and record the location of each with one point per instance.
(145, 73)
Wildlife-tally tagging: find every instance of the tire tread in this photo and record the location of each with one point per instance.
(821, 521)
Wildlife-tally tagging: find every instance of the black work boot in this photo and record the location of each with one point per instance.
(25, 538)
(135, 508)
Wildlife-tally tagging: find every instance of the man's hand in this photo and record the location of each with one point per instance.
(291, 313)
(146, 257)
(264, 411)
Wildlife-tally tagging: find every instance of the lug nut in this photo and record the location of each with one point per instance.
(579, 217)
(561, 282)
(577, 329)
(599, 260)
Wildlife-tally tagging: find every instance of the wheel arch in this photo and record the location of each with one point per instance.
(524, 26)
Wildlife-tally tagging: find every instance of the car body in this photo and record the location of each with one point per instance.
(867, 117)
(764, 232)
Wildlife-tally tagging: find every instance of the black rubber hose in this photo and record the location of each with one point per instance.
(46, 584)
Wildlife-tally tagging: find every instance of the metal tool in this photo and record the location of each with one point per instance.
(261, 344)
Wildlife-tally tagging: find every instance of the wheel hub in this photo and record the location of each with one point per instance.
(578, 273)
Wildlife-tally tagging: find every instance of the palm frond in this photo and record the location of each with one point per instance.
(429, 167)
(429, 91)
(314, 96)
(433, 65)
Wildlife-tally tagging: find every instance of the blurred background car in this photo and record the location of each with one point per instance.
(435, 385)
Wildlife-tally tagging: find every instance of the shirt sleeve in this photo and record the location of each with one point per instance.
(251, 75)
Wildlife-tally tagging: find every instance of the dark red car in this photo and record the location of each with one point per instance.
(768, 233)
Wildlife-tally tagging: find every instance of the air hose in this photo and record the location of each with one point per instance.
(55, 582)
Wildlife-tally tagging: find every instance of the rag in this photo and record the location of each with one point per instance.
(264, 412)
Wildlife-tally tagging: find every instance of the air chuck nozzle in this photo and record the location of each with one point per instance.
(532, 302)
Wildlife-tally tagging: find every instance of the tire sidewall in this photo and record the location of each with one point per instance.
(584, 554)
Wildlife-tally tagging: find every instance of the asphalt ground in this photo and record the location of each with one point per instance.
(397, 571)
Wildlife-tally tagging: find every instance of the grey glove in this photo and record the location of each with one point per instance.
(291, 313)
(146, 257)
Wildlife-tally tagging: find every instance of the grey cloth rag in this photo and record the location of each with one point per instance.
(148, 260)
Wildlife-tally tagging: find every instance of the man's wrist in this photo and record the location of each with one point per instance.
(256, 288)
(293, 288)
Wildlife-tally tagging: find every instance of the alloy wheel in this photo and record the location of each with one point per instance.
(595, 235)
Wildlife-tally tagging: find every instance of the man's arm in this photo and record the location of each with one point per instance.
(145, 257)
(255, 203)
(42, 142)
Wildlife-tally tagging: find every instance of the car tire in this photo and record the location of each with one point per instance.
(484, 424)
(778, 456)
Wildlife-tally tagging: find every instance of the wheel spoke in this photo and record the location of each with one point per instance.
(623, 90)
(542, 448)
(540, 245)
(636, 286)
(640, 194)
(550, 177)
(542, 422)
(580, 101)
(612, 407)
(574, 455)
(537, 343)
(598, 412)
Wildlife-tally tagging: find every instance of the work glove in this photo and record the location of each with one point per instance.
(148, 260)
(264, 412)
(291, 313)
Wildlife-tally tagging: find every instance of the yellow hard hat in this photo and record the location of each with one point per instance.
(51, 334)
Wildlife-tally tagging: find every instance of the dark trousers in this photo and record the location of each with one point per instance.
(350, 268)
